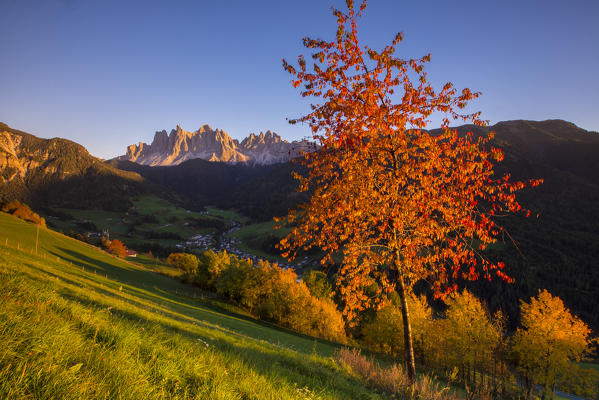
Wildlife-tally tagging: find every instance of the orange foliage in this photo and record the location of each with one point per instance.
(398, 202)
(23, 212)
(271, 293)
(117, 248)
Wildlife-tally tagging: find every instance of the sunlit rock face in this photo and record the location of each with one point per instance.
(23, 155)
(213, 145)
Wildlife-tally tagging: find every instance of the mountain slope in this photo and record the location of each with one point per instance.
(59, 172)
(559, 250)
(259, 191)
(212, 145)
(202, 181)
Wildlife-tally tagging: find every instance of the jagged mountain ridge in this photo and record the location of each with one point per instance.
(213, 145)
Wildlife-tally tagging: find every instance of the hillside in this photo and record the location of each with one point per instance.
(59, 172)
(559, 250)
(201, 181)
(78, 323)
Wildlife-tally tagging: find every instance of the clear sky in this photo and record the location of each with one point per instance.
(107, 74)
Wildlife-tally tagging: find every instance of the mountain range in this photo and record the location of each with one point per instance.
(213, 145)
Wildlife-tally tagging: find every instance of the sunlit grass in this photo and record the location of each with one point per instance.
(76, 323)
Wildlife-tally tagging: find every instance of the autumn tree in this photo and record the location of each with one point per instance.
(24, 212)
(471, 337)
(548, 341)
(397, 203)
(385, 331)
(105, 242)
(117, 248)
(273, 293)
(210, 266)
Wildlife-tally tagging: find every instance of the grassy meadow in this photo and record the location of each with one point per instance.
(77, 323)
(159, 216)
(150, 214)
(251, 237)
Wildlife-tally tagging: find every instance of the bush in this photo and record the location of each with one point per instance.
(77, 235)
(184, 261)
(318, 283)
(393, 380)
(23, 212)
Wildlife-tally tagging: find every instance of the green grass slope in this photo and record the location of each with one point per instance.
(76, 323)
(152, 223)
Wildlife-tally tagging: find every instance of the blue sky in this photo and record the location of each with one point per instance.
(107, 74)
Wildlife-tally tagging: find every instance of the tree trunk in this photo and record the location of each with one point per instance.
(529, 385)
(407, 330)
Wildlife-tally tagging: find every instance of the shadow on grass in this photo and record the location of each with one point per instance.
(198, 310)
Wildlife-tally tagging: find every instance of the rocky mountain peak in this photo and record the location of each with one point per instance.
(205, 128)
(212, 145)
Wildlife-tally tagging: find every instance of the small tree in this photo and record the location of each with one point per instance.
(234, 280)
(471, 336)
(184, 261)
(105, 242)
(400, 204)
(385, 332)
(210, 267)
(117, 248)
(548, 341)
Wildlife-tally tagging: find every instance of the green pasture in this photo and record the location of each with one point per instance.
(132, 226)
(230, 215)
(77, 323)
(252, 235)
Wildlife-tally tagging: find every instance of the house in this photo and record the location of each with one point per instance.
(131, 253)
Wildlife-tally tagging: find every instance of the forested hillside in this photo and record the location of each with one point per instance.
(59, 172)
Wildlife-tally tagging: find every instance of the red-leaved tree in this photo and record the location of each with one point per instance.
(395, 202)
